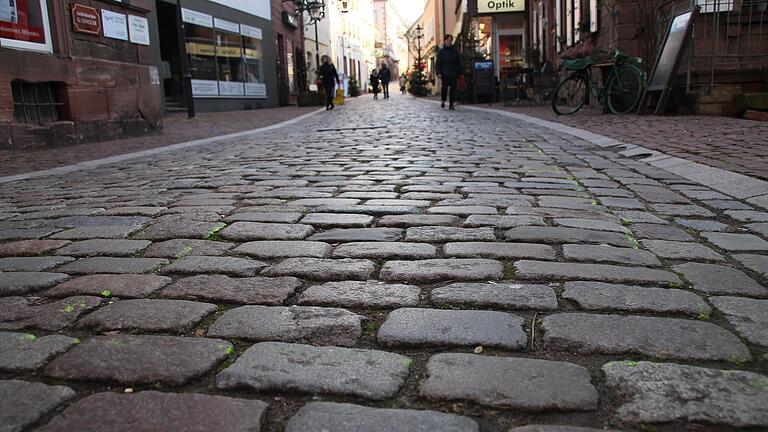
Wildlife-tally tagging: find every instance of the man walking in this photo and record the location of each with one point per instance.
(448, 68)
(385, 75)
(330, 78)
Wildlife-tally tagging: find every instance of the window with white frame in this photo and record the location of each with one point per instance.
(24, 25)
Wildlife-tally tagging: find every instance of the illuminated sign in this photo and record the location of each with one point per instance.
(496, 6)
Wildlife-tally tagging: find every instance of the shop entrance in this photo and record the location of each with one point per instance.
(170, 68)
(510, 53)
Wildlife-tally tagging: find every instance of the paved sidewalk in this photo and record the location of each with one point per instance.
(732, 144)
(483, 273)
(178, 128)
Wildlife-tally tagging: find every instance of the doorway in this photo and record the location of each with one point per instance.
(170, 67)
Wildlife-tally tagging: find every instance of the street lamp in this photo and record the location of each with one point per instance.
(316, 11)
(418, 34)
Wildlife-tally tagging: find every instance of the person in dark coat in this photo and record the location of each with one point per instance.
(385, 75)
(374, 78)
(329, 78)
(448, 68)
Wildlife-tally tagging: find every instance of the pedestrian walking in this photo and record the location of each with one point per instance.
(374, 78)
(329, 78)
(448, 68)
(403, 83)
(385, 75)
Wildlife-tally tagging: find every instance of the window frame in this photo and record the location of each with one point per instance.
(33, 46)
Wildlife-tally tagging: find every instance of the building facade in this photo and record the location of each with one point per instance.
(391, 45)
(77, 72)
(500, 32)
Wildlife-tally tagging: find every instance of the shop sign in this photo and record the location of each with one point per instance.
(249, 31)
(115, 25)
(205, 88)
(85, 19)
(197, 18)
(497, 6)
(226, 25)
(256, 89)
(138, 29)
(22, 21)
(227, 88)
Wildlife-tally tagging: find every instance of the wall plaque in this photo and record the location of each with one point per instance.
(86, 19)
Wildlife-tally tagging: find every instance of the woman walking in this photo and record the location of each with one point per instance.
(330, 78)
(374, 78)
(403, 83)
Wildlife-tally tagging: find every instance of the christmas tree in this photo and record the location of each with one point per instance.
(354, 87)
(417, 80)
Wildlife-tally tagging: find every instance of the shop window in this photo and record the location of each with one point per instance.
(201, 51)
(35, 103)
(229, 61)
(24, 25)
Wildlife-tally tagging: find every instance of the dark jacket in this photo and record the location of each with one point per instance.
(448, 63)
(385, 75)
(374, 82)
(328, 74)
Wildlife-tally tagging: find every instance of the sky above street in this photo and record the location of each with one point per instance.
(410, 9)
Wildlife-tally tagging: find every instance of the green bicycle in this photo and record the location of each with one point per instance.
(622, 92)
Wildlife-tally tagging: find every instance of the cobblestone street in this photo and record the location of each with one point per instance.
(385, 266)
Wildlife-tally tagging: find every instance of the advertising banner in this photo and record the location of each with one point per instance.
(22, 20)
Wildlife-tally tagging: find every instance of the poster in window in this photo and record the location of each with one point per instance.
(22, 20)
(205, 88)
(138, 29)
(115, 25)
(230, 88)
(256, 89)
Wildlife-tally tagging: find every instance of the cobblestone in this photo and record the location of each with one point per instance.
(499, 250)
(610, 254)
(178, 248)
(667, 338)
(748, 316)
(717, 279)
(385, 250)
(440, 234)
(284, 249)
(543, 270)
(245, 231)
(404, 221)
(113, 265)
(100, 247)
(324, 269)
(682, 250)
(30, 247)
(603, 296)
(220, 288)
(150, 315)
(24, 403)
(20, 313)
(359, 235)
(27, 352)
(118, 285)
(441, 269)
(503, 295)
(20, 283)
(32, 264)
(556, 235)
(355, 294)
(225, 265)
(339, 371)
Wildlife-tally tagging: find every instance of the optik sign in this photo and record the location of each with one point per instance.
(496, 6)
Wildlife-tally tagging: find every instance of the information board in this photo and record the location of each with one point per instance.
(483, 77)
(671, 50)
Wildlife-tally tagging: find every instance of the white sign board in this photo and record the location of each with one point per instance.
(496, 6)
(193, 17)
(231, 88)
(249, 31)
(256, 89)
(226, 25)
(260, 8)
(205, 88)
(115, 25)
(138, 29)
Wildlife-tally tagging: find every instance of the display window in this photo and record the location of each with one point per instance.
(24, 25)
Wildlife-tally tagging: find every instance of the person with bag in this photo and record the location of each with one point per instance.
(403, 83)
(448, 68)
(374, 78)
(329, 78)
(385, 75)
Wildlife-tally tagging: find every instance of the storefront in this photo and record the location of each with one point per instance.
(227, 50)
(499, 29)
(76, 71)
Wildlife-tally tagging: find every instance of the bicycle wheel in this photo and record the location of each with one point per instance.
(624, 89)
(570, 95)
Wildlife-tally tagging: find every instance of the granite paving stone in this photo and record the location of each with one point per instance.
(502, 295)
(113, 265)
(502, 221)
(417, 327)
(434, 270)
(324, 269)
(339, 235)
(264, 216)
(135, 360)
(556, 235)
(246, 231)
(178, 248)
(150, 315)
(337, 220)
(385, 250)
(760, 228)
(408, 220)
(756, 263)
(27, 352)
(604, 296)
(96, 232)
(590, 224)
(682, 250)
(215, 264)
(22, 313)
(499, 250)
(30, 247)
(117, 285)
(174, 227)
(609, 254)
(358, 294)
(24, 403)
(667, 338)
(748, 316)
(736, 242)
(717, 279)
(681, 210)
(702, 224)
(543, 270)
(285, 367)
(299, 324)
(459, 210)
(20, 283)
(32, 264)
(440, 234)
(507, 382)
(149, 411)
(655, 393)
(272, 249)
(557, 428)
(655, 231)
(224, 289)
(103, 247)
(343, 417)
